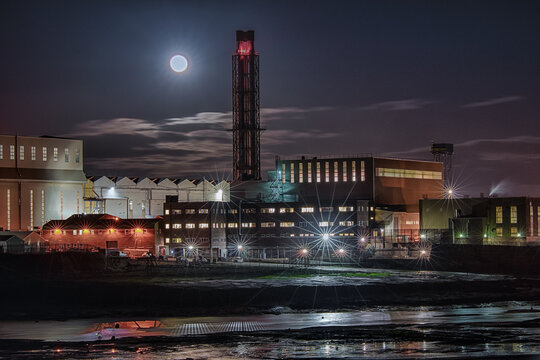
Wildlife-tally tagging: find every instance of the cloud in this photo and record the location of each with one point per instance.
(118, 126)
(494, 101)
(399, 105)
(288, 136)
(176, 125)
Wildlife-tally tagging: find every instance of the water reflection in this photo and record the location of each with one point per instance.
(489, 321)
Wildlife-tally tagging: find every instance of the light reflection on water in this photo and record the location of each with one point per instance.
(297, 349)
(422, 320)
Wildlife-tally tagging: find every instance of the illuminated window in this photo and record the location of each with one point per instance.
(21, 152)
(268, 210)
(292, 173)
(309, 172)
(1, 151)
(342, 223)
(344, 172)
(531, 218)
(283, 173)
(499, 214)
(166, 211)
(190, 211)
(307, 209)
(499, 231)
(33, 153)
(66, 155)
(286, 224)
(203, 211)
(325, 223)
(32, 209)
(286, 210)
(249, 211)
(167, 240)
(513, 214)
(300, 173)
(336, 172)
(203, 226)
(190, 226)
(362, 171)
(326, 209)
(248, 225)
(8, 210)
(232, 225)
(55, 154)
(326, 171)
(318, 171)
(44, 153)
(537, 221)
(42, 207)
(268, 224)
(177, 240)
(345, 208)
(177, 226)
(409, 174)
(77, 156)
(513, 231)
(353, 170)
(11, 152)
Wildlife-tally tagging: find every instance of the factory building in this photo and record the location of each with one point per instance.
(260, 229)
(41, 178)
(139, 197)
(488, 221)
(349, 200)
(101, 232)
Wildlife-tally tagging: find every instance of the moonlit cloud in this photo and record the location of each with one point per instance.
(187, 144)
(494, 101)
(399, 105)
(118, 126)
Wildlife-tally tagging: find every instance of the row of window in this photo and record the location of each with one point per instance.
(269, 210)
(283, 235)
(233, 225)
(33, 154)
(98, 232)
(409, 174)
(499, 214)
(340, 171)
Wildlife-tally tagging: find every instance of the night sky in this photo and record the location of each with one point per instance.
(337, 77)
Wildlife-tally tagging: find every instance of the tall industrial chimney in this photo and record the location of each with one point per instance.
(246, 113)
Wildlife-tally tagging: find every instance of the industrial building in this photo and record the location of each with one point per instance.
(142, 197)
(350, 201)
(487, 221)
(101, 232)
(41, 178)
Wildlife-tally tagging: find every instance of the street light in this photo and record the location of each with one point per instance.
(240, 247)
(325, 237)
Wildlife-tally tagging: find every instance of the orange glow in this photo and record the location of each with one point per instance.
(112, 231)
(57, 231)
(116, 219)
(138, 230)
(86, 231)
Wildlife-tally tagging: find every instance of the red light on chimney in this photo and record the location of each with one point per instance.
(244, 48)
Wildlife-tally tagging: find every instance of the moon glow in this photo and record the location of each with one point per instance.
(178, 63)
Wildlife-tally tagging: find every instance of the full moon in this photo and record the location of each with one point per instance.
(178, 63)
